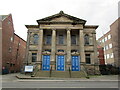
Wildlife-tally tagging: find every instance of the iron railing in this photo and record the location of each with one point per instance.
(70, 72)
(50, 71)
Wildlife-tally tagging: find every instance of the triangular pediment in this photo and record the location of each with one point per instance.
(61, 17)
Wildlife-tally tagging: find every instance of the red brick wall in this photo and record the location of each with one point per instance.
(101, 56)
(7, 33)
(18, 53)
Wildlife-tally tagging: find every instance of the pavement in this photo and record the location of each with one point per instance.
(23, 77)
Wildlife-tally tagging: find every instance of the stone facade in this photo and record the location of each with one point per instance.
(62, 35)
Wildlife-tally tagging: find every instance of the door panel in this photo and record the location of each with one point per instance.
(75, 63)
(60, 63)
(46, 63)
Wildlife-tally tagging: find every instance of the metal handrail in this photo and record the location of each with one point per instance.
(50, 71)
(85, 71)
(35, 71)
(70, 72)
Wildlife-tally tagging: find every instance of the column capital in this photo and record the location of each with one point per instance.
(68, 29)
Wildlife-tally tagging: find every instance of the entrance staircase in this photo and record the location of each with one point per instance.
(61, 74)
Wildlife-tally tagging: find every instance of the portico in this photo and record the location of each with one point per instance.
(61, 43)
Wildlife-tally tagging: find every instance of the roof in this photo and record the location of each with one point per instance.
(19, 37)
(32, 26)
(91, 26)
(4, 16)
(61, 13)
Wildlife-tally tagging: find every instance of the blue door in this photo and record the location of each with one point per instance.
(46, 63)
(75, 63)
(60, 63)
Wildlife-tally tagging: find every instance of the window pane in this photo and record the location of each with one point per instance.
(35, 39)
(109, 36)
(86, 37)
(34, 57)
(110, 45)
(105, 38)
(48, 41)
(88, 61)
(61, 39)
(73, 39)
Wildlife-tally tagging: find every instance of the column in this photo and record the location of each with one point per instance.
(40, 45)
(68, 48)
(81, 45)
(53, 49)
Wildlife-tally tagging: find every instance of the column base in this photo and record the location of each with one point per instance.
(53, 65)
(68, 66)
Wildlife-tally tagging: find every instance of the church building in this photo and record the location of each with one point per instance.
(62, 42)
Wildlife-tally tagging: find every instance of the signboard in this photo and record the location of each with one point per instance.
(28, 68)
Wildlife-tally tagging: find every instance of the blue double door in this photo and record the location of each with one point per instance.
(75, 63)
(46, 63)
(60, 62)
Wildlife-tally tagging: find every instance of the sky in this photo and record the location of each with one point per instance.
(26, 12)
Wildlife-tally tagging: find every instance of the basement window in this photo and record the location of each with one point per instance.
(87, 56)
(34, 57)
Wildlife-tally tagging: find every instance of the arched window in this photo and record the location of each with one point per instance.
(35, 38)
(86, 39)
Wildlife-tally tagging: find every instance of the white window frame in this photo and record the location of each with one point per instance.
(105, 38)
(109, 36)
(110, 45)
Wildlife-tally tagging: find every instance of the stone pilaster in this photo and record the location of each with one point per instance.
(53, 48)
(40, 45)
(27, 48)
(68, 48)
(96, 62)
(81, 45)
(95, 49)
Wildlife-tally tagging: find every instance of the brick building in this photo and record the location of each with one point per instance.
(62, 41)
(106, 42)
(115, 32)
(111, 44)
(11, 60)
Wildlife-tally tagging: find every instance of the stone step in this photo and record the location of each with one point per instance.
(77, 74)
(60, 74)
(42, 74)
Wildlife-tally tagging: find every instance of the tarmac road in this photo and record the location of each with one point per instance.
(10, 81)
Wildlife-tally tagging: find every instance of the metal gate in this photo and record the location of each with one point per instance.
(60, 63)
(75, 63)
(46, 63)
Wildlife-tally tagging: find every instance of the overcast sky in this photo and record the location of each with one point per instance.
(95, 12)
